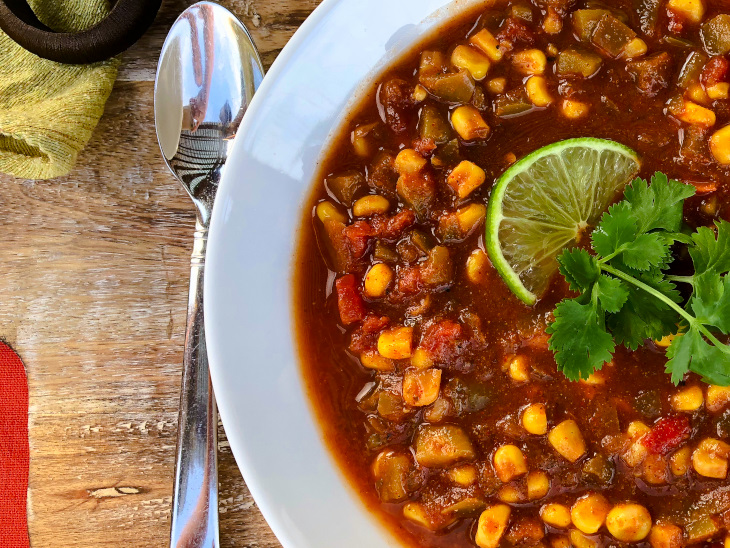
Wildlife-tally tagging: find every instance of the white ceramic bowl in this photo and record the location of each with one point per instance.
(248, 288)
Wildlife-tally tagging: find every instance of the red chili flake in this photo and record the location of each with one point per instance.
(667, 434)
(352, 307)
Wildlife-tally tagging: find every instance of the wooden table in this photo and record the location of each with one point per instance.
(94, 276)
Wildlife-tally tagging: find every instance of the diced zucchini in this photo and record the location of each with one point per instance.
(648, 12)
(522, 11)
(440, 446)
(716, 35)
(447, 155)
(345, 186)
(455, 87)
(651, 74)
(692, 69)
(574, 62)
(432, 62)
(612, 36)
(512, 103)
(384, 253)
(585, 21)
(434, 124)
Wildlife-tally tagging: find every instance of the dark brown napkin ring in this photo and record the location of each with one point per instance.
(125, 24)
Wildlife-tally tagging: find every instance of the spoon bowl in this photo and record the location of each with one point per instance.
(207, 74)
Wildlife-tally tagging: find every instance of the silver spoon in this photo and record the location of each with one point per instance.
(208, 72)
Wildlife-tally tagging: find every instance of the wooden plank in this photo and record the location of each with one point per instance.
(94, 275)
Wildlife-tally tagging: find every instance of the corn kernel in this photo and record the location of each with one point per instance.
(696, 115)
(726, 544)
(466, 178)
(579, 540)
(492, 525)
(636, 453)
(679, 462)
(538, 484)
(553, 23)
(589, 512)
(420, 359)
(529, 62)
(438, 410)
(594, 379)
(376, 362)
(326, 211)
(471, 60)
(629, 522)
(396, 343)
(463, 475)
(370, 205)
(534, 419)
(477, 266)
(560, 542)
(710, 458)
(421, 387)
(509, 463)
(718, 397)
(665, 535)
(665, 341)
(377, 280)
(409, 162)
(573, 109)
(497, 85)
(519, 368)
(471, 216)
(510, 494)
(692, 10)
(537, 91)
(721, 90)
(469, 124)
(360, 142)
(416, 512)
(636, 48)
(420, 93)
(720, 145)
(697, 93)
(556, 515)
(567, 440)
(487, 43)
(688, 399)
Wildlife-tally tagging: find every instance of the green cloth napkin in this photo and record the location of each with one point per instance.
(48, 110)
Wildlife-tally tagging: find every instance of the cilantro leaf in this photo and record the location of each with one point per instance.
(659, 206)
(616, 229)
(691, 352)
(612, 294)
(710, 251)
(711, 300)
(579, 268)
(645, 251)
(580, 343)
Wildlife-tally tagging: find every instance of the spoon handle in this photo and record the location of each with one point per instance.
(195, 499)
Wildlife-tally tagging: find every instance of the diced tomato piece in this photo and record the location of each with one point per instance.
(667, 434)
(409, 280)
(365, 337)
(715, 71)
(391, 228)
(351, 305)
(424, 147)
(358, 236)
(514, 31)
(443, 341)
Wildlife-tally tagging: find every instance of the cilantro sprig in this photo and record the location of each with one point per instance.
(628, 297)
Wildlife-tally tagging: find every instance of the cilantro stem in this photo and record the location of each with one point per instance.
(682, 279)
(669, 302)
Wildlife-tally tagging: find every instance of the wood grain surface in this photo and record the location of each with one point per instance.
(93, 276)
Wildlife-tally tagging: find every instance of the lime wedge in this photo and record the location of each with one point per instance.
(548, 201)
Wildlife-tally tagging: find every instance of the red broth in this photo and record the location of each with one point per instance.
(463, 361)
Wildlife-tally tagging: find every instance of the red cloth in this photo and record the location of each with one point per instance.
(14, 457)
